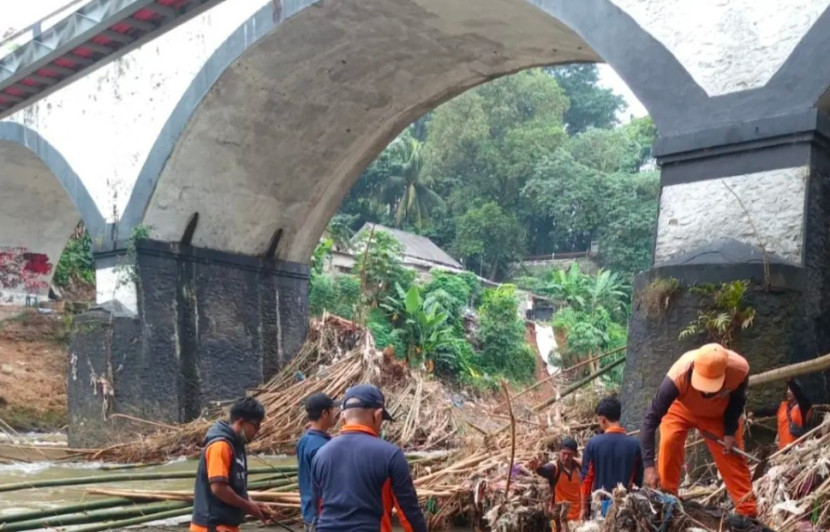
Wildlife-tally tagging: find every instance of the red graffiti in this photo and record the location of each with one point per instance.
(20, 268)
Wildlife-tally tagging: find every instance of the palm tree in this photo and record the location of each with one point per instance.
(408, 187)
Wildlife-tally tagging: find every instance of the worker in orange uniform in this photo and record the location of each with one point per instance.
(705, 389)
(794, 414)
(563, 477)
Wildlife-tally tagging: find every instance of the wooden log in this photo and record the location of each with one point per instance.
(793, 370)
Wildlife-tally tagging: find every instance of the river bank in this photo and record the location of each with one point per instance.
(33, 360)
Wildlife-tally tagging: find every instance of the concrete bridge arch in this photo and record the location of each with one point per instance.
(391, 62)
(42, 201)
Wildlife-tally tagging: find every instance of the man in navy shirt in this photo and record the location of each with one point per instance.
(610, 458)
(358, 478)
(320, 410)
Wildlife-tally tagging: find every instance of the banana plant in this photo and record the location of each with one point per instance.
(423, 323)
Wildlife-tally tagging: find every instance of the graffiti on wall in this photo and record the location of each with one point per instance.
(22, 270)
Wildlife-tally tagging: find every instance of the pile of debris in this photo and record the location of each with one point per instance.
(336, 355)
(481, 481)
(794, 494)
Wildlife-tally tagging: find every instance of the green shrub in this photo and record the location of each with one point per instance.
(76, 262)
(338, 294)
(384, 332)
(502, 334)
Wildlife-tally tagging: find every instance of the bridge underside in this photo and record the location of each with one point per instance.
(37, 217)
(287, 129)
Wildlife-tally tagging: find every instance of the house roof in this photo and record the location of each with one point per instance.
(417, 246)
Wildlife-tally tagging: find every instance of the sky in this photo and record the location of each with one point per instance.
(17, 14)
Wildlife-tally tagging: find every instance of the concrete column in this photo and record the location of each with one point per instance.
(205, 326)
(744, 202)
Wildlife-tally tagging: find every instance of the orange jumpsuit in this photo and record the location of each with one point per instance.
(678, 407)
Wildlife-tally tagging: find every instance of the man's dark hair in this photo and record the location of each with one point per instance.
(610, 408)
(247, 409)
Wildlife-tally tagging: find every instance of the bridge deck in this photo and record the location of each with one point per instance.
(92, 36)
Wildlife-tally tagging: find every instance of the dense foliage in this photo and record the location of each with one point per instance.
(424, 323)
(529, 164)
(76, 264)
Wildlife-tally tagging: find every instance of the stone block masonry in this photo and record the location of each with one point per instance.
(210, 326)
(692, 214)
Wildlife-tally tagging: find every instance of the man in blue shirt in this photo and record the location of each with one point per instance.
(359, 478)
(320, 409)
(611, 458)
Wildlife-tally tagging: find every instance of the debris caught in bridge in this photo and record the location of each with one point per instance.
(468, 481)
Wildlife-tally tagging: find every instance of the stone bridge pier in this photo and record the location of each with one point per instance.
(186, 327)
(746, 202)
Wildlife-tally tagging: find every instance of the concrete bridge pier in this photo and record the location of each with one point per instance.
(179, 327)
(748, 202)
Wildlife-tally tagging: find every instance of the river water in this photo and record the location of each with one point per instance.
(40, 498)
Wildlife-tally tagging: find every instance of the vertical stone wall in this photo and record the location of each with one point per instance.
(780, 334)
(210, 326)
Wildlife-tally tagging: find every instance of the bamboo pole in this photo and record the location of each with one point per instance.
(63, 510)
(114, 525)
(579, 384)
(131, 510)
(568, 391)
(793, 370)
(512, 438)
(548, 379)
(127, 477)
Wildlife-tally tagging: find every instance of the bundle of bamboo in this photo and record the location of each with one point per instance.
(337, 354)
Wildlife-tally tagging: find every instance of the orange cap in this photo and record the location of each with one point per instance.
(709, 369)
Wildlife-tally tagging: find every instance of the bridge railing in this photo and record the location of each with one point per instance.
(10, 43)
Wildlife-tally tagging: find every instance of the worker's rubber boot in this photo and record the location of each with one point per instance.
(742, 523)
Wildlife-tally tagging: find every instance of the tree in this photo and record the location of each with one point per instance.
(378, 263)
(502, 334)
(408, 186)
(627, 235)
(484, 143)
(570, 197)
(606, 150)
(489, 238)
(591, 106)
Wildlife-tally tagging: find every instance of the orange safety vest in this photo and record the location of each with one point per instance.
(790, 424)
(568, 489)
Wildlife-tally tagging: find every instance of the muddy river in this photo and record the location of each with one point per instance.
(37, 468)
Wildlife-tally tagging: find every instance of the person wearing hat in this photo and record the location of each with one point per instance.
(563, 477)
(704, 389)
(319, 409)
(358, 478)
